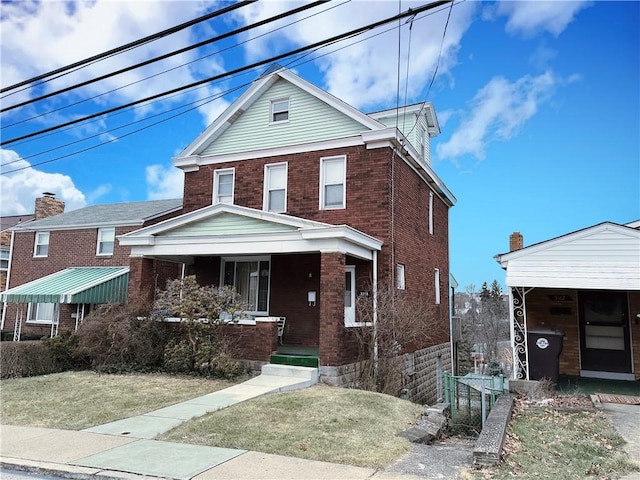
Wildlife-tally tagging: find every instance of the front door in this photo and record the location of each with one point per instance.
(604, 331)
(350, 295)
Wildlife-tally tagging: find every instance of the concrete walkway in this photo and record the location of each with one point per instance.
(626, 420)
(125, 449)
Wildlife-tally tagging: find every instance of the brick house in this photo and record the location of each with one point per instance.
(64, 263)
(304, 203)
(581, 291)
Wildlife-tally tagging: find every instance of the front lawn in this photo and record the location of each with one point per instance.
(78, 400)
(568, 439)
(323, 423)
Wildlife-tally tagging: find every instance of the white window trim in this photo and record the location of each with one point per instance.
(56, 311)
(272, 113)
(431, 213)
(344, 182)
(351, 269)
(401, 280)
(265, 197)
(436, 284)
(264, 258)
(216, 176)
(36, 244)
(99, 241)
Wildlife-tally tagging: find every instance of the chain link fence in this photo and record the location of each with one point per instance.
(471, 398)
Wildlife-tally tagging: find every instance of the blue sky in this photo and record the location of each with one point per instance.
(538, 102)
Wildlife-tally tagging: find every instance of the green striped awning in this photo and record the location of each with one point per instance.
(74, 285)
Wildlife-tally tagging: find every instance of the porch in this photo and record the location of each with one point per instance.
(305, 271)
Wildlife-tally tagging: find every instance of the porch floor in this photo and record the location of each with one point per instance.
(296, 355)
(568, 385)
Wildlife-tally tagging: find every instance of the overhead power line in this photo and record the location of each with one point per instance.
(167, 55)
(218, 52)
(197, 103)
(131, 45)
(333, 39)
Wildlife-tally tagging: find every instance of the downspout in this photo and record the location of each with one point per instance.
(375, 312)
(452, 302)
(6, 286)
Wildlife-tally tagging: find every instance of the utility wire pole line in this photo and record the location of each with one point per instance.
(333, 39)
(130, 45)
(167, 55)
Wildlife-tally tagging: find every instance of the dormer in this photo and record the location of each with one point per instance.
(418, 123)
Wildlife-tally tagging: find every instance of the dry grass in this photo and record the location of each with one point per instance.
(567, 440)
(78, 400)
(320, 423)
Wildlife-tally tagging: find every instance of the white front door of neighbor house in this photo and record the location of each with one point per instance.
(350, 295)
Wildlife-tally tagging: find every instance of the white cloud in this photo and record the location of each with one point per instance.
(496, 113)
(529, 18)
(38, 37)
(365, 74)
(19, 190)
(164, 182)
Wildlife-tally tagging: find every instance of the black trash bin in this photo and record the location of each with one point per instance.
(545, 346)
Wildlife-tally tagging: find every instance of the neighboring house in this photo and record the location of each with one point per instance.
(44, 208)
(586, 286)
(304, 203)
(64, 264)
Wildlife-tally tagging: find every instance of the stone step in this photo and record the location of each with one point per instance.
(305, 373)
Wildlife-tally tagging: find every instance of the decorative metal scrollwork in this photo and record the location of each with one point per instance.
(519, 333)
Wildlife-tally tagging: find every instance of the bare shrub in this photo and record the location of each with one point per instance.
(201, 347)
(122, 337)
(402, 325)
(26, 359)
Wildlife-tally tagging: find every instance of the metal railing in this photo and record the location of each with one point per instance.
(471, 398)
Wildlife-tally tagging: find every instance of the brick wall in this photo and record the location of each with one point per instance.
(368, 209)
(292, 276)
(253, 342)
(539, 303)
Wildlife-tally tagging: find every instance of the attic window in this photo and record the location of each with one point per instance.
(280, 110)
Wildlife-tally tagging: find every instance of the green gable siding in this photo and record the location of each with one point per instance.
(310, 120)
(227, 224)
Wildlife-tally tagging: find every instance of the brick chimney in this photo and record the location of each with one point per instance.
(516, 241)
(48, 206)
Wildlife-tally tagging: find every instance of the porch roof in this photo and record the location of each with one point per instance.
(605, 256)
(604, 275)
(224, 229)
(74, 285)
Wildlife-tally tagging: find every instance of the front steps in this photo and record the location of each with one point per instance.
(294, 360)
(307, 376)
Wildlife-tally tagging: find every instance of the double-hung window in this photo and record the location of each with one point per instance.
(275, 187)
(223, 185)
(250, 277)
(279, 110)
(42, 313)
(106, 239)
(333, 175)
(41, 247)
(4, 259)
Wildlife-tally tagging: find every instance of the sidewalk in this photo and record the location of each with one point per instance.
(125, 449)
